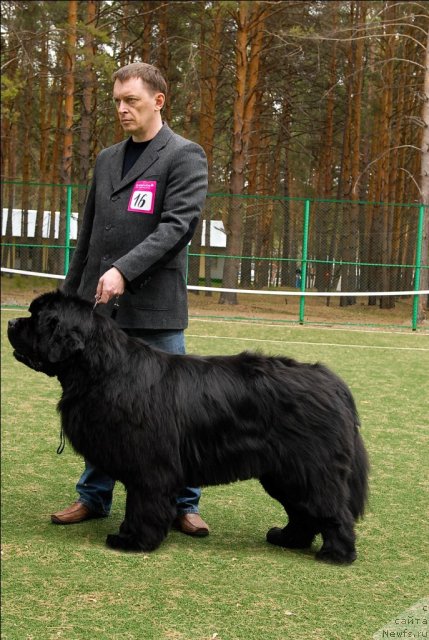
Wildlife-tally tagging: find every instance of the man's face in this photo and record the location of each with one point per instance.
(139, 108)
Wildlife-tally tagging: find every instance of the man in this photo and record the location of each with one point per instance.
(146, 196)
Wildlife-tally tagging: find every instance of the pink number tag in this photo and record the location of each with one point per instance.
(143, 197)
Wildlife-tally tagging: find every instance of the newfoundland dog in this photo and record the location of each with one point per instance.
(158, 422)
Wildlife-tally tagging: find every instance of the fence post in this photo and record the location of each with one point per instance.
(68, 225)
(304, 259)
(414, 319)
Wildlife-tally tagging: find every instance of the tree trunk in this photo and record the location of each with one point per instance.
(88, 88)
(163, 59)
(210, 55)
(247, 77)
(45, 124)
(69, 84)
(9, 253)
(387, 302)
(51, 259)
(123, 58)
(27, 125)
(254, 208)
(351, 227)
(424, 276)
(287, 240)
(147, 31)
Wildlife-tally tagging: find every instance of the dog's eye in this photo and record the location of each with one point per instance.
(48, 323)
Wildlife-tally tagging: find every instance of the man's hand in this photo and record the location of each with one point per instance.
(111, 284)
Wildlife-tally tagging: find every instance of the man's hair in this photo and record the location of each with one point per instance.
(149, 74)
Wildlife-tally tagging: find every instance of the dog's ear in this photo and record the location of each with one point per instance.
(63, 343)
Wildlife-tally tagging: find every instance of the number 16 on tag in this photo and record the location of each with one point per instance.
(143, 197)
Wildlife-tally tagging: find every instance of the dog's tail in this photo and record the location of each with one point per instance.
(358, 480)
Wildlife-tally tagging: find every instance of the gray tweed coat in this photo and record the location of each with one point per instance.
(141, 225)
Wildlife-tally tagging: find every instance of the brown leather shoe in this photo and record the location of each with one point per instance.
(192, 524)
(77, 512)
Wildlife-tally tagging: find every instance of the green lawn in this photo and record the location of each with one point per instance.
(62, 582)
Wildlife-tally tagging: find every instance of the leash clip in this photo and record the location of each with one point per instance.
(115, 307)
(97, 300)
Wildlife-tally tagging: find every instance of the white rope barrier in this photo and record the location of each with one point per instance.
(36, 274)
(284, 293)
(311, 293)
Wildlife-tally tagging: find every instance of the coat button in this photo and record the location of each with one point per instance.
(114, 198)
(108, 227)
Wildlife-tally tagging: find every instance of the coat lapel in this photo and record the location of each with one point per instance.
(116, 164)
(145, 161)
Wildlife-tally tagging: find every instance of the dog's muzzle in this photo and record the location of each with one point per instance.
(18, 348)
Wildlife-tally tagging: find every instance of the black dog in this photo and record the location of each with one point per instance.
(158, 422)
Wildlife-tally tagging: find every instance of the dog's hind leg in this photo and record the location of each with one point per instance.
(337, 530)
(299, 532)
(301, 528)
(147, 521)
(338, 539)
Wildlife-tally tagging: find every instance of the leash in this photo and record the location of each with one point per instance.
(115, 308)
(62, 444)
(113, 315)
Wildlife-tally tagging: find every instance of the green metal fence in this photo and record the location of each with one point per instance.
(312, 253)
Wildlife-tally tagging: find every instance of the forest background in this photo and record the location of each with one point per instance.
(325, 100)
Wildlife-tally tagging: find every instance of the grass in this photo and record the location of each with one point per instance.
(62, 582)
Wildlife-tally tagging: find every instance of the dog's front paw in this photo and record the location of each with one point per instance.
(128, 543)
(118, 541)
(275, 536)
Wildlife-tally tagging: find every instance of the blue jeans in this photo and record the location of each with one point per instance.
(95, 488)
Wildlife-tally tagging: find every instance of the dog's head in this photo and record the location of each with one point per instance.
(54, 333)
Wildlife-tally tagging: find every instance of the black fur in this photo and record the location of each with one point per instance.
(158, 422)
